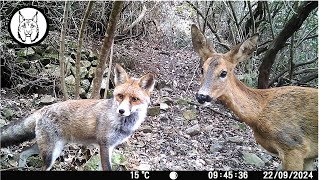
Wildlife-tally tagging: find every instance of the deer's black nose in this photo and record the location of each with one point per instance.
(203, 98)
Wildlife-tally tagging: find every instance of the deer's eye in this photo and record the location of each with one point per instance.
(223, 74)
(135, 99)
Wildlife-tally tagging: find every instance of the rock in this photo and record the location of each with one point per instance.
(167, 89)
(92, 56)
(24, 62)
(94, 63)
(252, 159)
(51, 50)
(85, 84)
(91, 72)
(44, 61)
(194, 130)
(46, 100)
(200, 163)
(164, 106)
(26, 52)
(237, 140)
(153, 111)
(70, 80)
(53, 58)
(146, 129)
(167, 100)
(38, 49)
(85, 63)
(2, 122)
(209, 128)
(216, 147)
(52, 69)
(83, 71)
(70, 60)
(163, 117)
(144, 167)
(190, 114)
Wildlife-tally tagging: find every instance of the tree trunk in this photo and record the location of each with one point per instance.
(292, 26)
(80, 41)
(114, 16)
(61, 52)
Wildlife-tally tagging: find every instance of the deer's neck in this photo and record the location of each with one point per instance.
(245, 102)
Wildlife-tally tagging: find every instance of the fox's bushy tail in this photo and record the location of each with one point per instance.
(18, 131)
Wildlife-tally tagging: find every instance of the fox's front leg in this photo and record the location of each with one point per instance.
(105, 156)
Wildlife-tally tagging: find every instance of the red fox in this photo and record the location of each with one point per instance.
(106, 122)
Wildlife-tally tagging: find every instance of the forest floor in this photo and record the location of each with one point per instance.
(184, 136)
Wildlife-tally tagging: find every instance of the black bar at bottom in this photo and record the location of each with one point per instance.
(162, 175)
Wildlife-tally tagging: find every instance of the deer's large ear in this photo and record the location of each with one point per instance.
(120, 75)
(243, 50)
(201, 44)
(147, 82)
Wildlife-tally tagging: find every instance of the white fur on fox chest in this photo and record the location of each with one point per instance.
(121, 131)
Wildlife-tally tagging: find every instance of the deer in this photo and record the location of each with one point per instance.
(284, 120)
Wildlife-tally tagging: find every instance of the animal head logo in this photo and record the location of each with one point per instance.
(28, 26)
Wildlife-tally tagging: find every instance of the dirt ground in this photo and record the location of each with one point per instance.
(164, 141)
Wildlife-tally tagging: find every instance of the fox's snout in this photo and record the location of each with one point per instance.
(124, 111)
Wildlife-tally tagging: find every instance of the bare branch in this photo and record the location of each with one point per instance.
(135, 22)
(80, 41)
(109, 72)
(209, 25)
(61, 52)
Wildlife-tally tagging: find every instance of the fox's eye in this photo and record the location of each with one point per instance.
(134, 99)
(120, 96)
(223, 74)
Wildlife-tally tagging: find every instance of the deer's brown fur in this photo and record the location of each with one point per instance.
(284, 120)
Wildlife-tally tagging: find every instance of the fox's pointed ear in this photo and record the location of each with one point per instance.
(200, 44)
(243, 50)
(147, 82)
(120, 75)
(21, 18)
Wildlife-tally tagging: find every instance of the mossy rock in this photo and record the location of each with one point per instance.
(23, 62)
(153, 111)
(25, 52)
(39, 49)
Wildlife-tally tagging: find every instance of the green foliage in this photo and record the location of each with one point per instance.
(7, 113)
(118, 159)
(93, 163)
